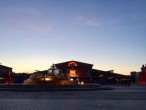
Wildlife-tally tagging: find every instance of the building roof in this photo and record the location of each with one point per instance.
(2, 66)
(64, 65)
(96, 72)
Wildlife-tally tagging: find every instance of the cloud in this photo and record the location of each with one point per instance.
(40, 27)
(17, 20)
(88, 21)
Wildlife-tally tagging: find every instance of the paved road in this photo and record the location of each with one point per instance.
(71, 104)
(121, 98)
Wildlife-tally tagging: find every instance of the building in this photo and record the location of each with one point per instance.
(4, 72)
(142, 75)
(76, 70)
(108, 77)
(134, 77)
(84, 72)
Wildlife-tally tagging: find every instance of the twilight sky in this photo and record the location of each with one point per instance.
(110, 34)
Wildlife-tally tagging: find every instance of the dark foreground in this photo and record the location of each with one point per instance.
(120, 98)
(19, 87)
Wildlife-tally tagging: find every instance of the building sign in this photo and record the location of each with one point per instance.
(72, 64)
(72, 70)
(72, 73)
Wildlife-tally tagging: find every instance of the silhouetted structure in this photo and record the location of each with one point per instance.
(76, 70)
(134, 77)
(142, 75)
(20, 77)
(83, 72)
(5, 72)
(52, 77)
(7, 76)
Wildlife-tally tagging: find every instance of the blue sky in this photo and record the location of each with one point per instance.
(110, 34)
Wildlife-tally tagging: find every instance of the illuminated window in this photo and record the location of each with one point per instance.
(72, 73)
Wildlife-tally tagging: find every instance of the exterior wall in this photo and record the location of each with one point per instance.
(143, 69)
(142, 78)
(89, 75)
(4, 73)
(84, 72)
(5, 69)
(82, 69)
(142, 75)
(134, 77)
(107, 77)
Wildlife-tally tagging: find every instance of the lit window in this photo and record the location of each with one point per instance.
(72, 73)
